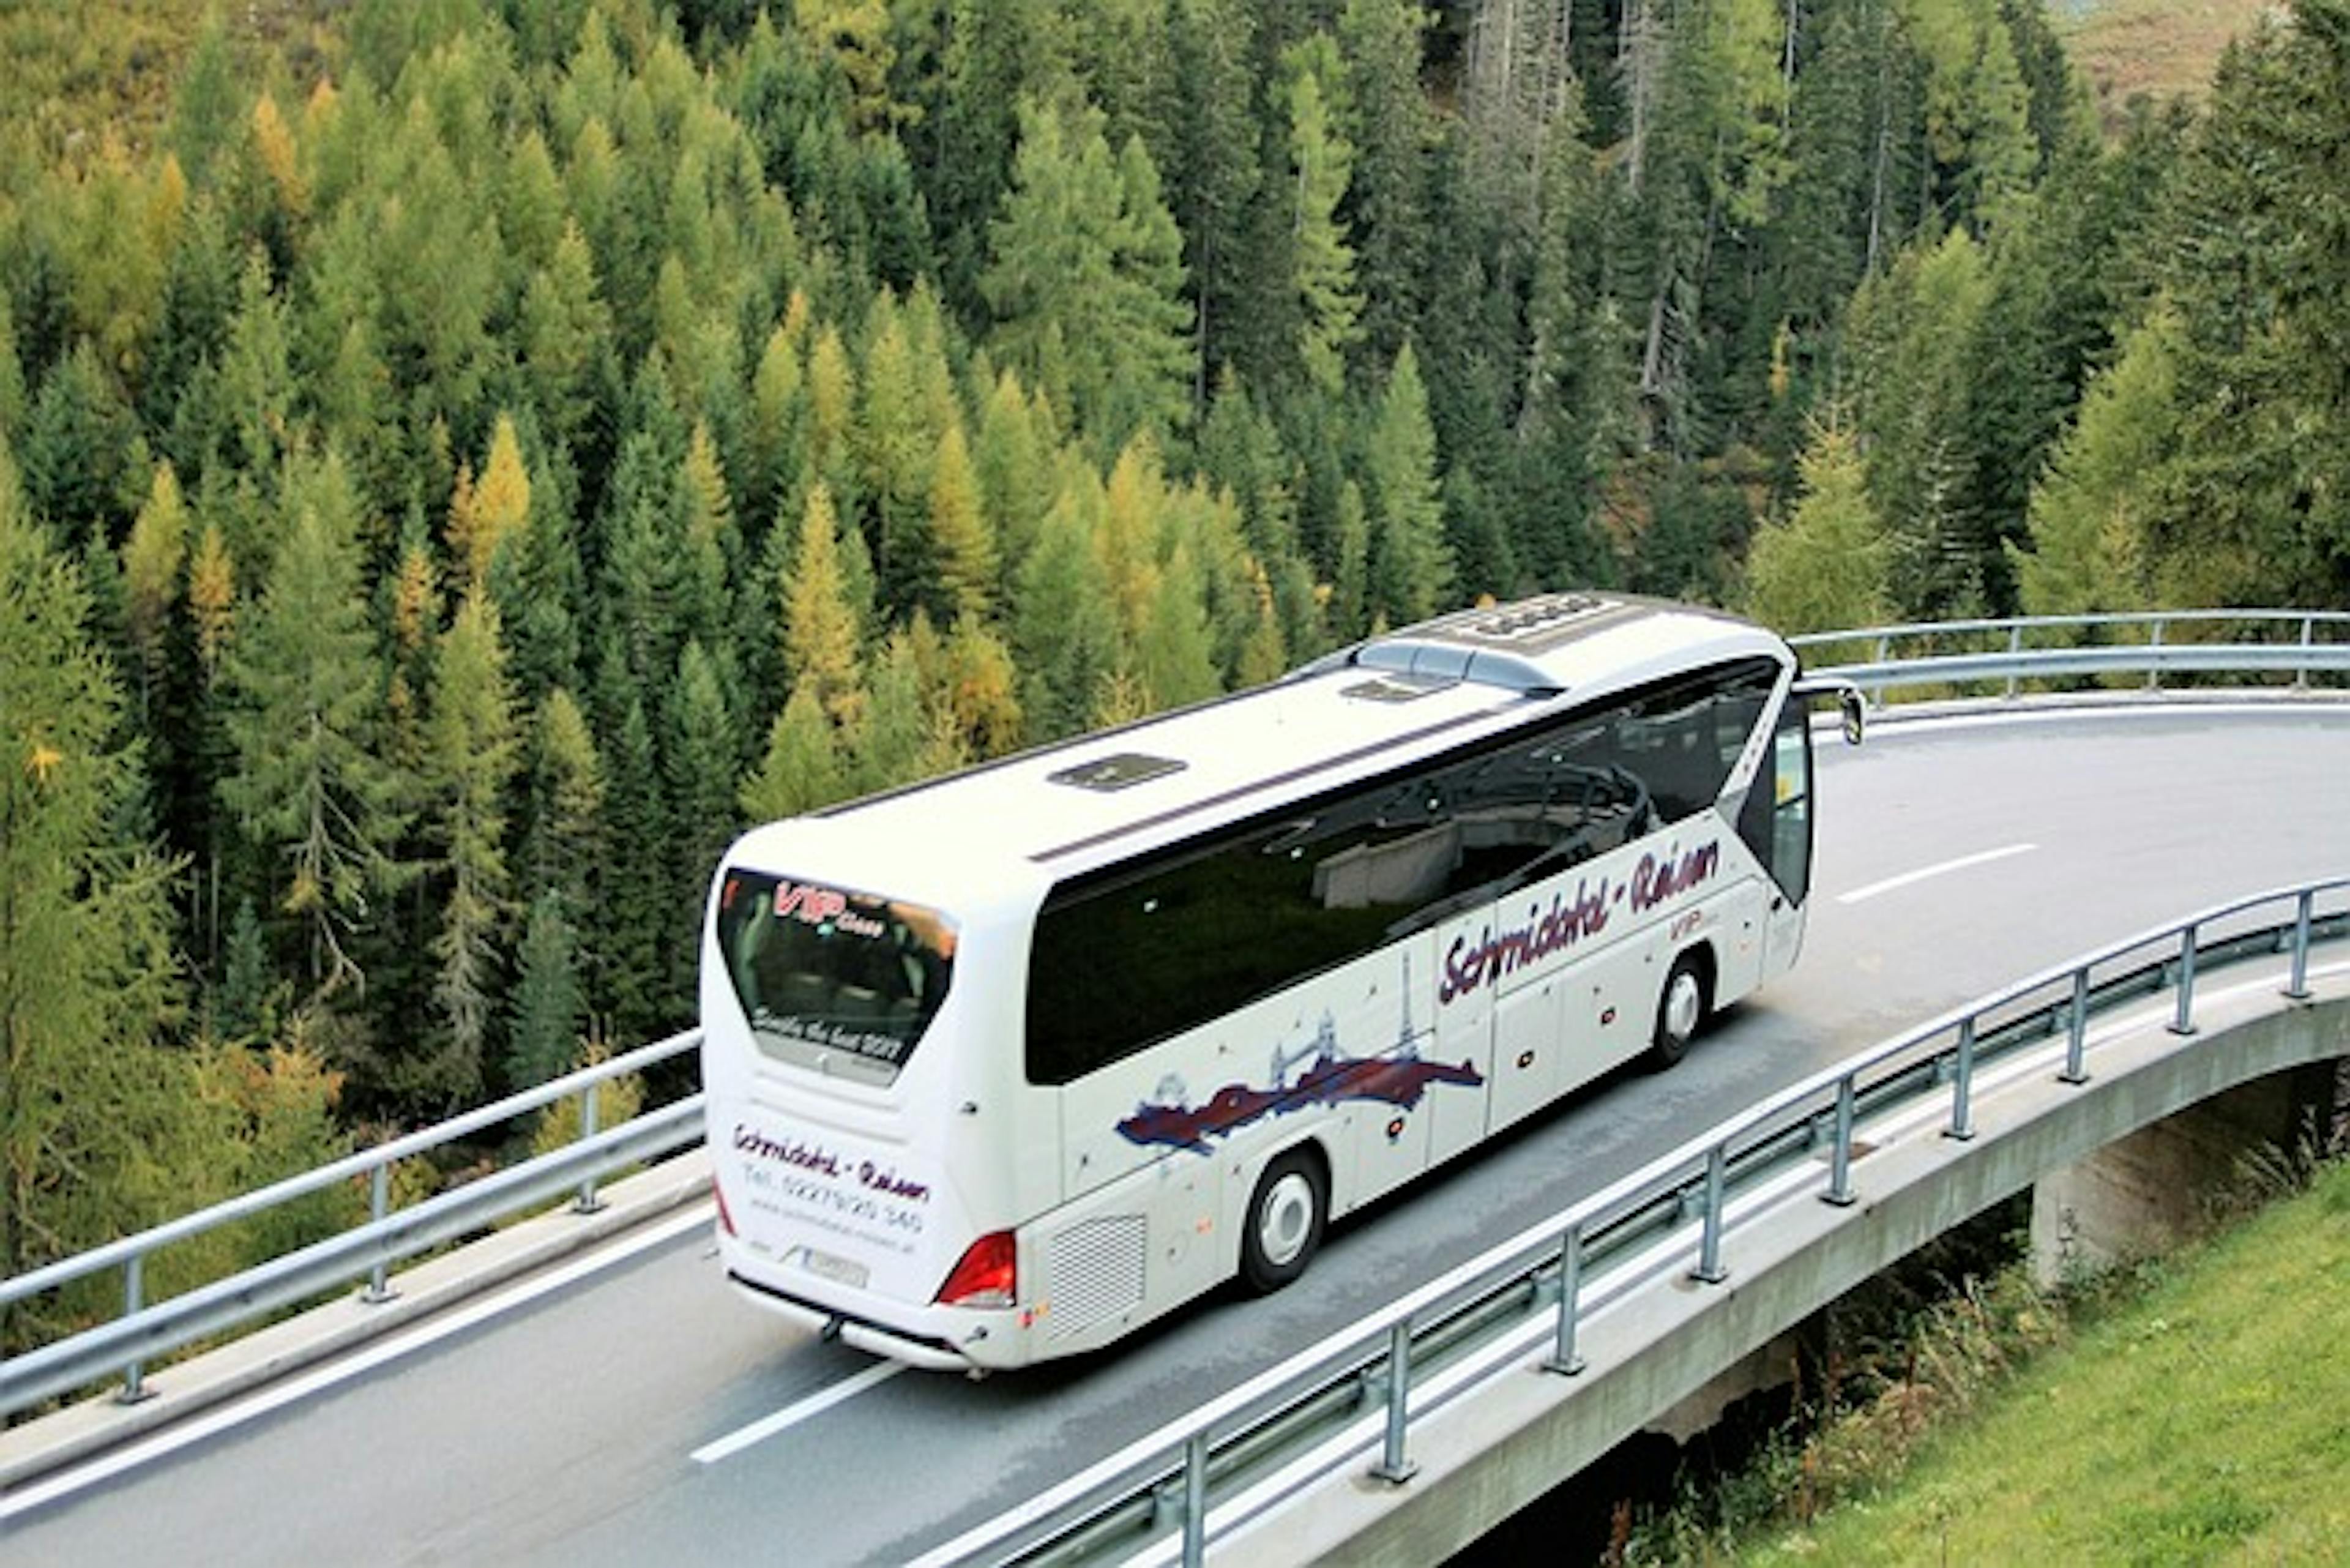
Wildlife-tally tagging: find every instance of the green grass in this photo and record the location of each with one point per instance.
(2205, 1421)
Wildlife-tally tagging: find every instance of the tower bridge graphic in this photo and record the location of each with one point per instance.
(1399, 1077)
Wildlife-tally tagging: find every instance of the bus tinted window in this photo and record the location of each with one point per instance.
(1151, 949)
(830, 978)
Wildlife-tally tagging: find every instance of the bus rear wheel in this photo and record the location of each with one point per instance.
(1285, 1216)
(1680, 1010)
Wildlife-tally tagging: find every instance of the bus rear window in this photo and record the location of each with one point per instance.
(837, 980)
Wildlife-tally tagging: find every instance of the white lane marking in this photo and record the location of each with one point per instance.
(179, 1435)
(1907, 878)
(815, 1403)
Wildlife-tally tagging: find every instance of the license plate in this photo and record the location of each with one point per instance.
(839, 1271)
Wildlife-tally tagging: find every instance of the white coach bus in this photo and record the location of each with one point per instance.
(1002, 1065)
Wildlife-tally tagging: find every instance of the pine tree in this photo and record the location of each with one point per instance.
(1174, 651)
(88, 1103)
(820, 628)
(1213, 169)
(635, 920)
(1350, 609)
(257, 382)
(539, 585)
(897, 728)
(566, 327)
(711, 556)
(1066, 631)
(779, 416)
(801, 768)
(2093, 513)
(895, 443)
(474, 751)
(1389, 125)
(1914, 334)
(981, 715)
(12, 377)
(701, 757)
(1085, 264)
(483, 515)
(1014, 459)
(2254, 245)
(961, 533)
(549, 1004)
(76, 452)
(1321, 166)
(1410, 570)
(563, 842)
(307, 784)
(154, 561)
(1824, 568)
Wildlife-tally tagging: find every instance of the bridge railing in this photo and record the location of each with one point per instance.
(146, 1331)
(1934, 657)
(2008, 653)
(1157, 1495)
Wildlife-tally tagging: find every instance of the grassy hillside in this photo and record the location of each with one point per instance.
(2201, 1423)
(72, 72)
(2165, 48)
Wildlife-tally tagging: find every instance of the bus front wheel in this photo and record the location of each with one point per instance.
(1680, 1010)
(1285, 1222)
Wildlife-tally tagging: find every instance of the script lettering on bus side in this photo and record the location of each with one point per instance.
(1467, 965)
(1660, 877)
(1493, 956)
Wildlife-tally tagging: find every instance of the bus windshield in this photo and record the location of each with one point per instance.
(840, 981)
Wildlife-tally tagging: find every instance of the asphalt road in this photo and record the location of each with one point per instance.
(643, 1414)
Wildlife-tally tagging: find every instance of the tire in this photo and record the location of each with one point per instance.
(1682, 1009)
(1285, 1217)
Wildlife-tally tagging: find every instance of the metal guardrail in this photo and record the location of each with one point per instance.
(146, 1331)
(1945, 653)
(2015, 649)
(1157, 1491)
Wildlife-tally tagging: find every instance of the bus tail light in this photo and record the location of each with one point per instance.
(725, 1221)
(987, 1275)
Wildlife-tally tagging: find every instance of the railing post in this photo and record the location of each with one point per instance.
(587, 1202)
(2014, 646)
(1709, 1256)
(135, 1387)
(2301, 676)
(2183, 1020)
(1840, 1191)
(2076, 1070)
(1962, 1108)
(2154, 668)
(1195, 1498)
(2298, 990)
(1563, 1360)
(1393, 1467)
(379, 1289)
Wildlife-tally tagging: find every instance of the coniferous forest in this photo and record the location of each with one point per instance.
(463, 461)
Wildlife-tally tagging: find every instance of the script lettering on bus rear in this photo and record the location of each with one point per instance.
(856, 1199)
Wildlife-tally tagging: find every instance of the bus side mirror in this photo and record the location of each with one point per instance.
(1854, 711)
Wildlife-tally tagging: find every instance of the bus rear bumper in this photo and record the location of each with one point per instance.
(870, 1337)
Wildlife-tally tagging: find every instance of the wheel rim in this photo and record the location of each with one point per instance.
(1684, 1000)
(1285, 1222)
